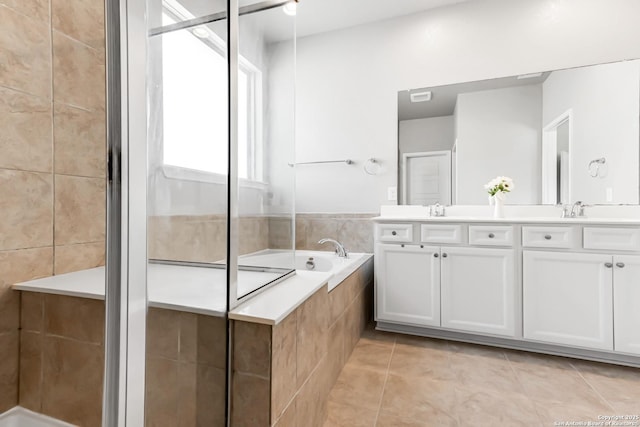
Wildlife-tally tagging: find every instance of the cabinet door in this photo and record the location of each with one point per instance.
(479, 290)
(408, 284)
(626, 303)
(568, 298)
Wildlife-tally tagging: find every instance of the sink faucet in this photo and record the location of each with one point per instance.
(340, 250)
(580, 211)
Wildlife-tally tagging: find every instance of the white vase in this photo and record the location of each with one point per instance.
(498, 205)
(491, 202)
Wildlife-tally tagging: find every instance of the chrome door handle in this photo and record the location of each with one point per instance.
(620, 264)
(491, 235)
(608, 264)
(548, 237)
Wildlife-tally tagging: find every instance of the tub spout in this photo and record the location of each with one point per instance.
(340, 250)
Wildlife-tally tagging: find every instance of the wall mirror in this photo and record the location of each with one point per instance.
(562, 136)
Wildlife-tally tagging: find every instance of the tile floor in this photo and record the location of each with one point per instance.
(395, 380)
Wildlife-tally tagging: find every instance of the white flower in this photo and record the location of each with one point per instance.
(499, 185)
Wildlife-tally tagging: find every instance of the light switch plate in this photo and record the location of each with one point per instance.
(392, 193)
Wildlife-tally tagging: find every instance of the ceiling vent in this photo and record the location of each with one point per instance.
(420, 96)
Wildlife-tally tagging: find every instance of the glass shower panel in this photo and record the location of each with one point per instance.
(265, 144)
(187, 241)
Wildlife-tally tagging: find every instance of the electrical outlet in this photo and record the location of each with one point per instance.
(392, 193)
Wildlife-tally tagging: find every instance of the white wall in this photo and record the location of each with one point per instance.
(604, 103)
(498, 133)
(347, 81)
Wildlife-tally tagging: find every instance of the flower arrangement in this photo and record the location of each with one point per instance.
(499, 185)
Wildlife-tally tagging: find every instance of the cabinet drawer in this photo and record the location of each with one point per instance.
(548, 237)
(615, 239)
(441, 233)
(491, 235)
(395, 232)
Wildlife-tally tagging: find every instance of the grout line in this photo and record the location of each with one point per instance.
(384, 386)
(592, 387)
(53, 144)
(524, 389)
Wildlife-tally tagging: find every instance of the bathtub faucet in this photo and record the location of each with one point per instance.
(340, 250)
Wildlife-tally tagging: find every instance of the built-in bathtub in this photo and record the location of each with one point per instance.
(326, 310)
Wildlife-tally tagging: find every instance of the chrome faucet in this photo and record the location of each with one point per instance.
(580, 211)
(340, 250)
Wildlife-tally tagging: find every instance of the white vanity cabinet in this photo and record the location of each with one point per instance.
(478, 288)
(568, 298)
(626, 302)
(408, 284)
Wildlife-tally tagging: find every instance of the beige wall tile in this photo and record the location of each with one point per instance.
(25, 264)
(25, 54)
(161, 393)
(183, 238)
(311, 401)
(356, 235)
(72, 381)
(210, 396)
(311, 344)
(188, 345)
(26, 199)
(9, 309)
(31, 370)
(281, 233)
(250, 401)
(78, 73)
(338, 301)
(163, 333)
(302, 225)
(254, 234)
(9, 356)
(283, 363)
(36, 9)
(81, 19)
(80, 140)
(79, 257)
(32, 311)
(79, 210)
(26, 141)
(77, 318)
(212, 341)
(252, 348)
(187, 395)
(319, 229)
(336, 353)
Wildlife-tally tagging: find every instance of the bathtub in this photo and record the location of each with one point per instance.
(318, 261)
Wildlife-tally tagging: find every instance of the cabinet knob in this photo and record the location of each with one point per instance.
(393, 233)
(444, 255)
(608, 264)
(491, 235)
(548, 237)
(620, 264)
(421, 246)
(402, 245)
(436, 255)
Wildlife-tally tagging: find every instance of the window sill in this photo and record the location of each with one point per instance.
(194, 175)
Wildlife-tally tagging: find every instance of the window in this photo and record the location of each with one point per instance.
(194, 102)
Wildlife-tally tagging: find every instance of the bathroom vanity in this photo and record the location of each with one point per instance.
(563, 286)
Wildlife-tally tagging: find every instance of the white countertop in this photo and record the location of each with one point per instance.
(512, 220)
(195, 289)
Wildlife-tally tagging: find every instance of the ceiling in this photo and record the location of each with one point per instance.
(319, 16)
(444, 98)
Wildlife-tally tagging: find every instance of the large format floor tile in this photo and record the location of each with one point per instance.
(394, 380)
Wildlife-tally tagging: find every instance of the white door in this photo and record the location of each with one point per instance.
(626, 303)
(568, 298)
(427, 178)
(408, 284)
(479, 290)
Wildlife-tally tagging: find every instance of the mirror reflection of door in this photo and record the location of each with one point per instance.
(427, 178)
(556, 144)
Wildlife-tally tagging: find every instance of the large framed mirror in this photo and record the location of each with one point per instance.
(562, 136)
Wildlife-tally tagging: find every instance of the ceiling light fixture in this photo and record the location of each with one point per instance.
(528, 76)
(200, 32)
(290, 8)
(420, 96)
